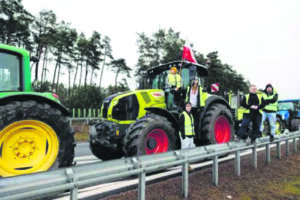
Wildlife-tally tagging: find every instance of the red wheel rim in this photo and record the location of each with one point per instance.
(159, 140)
(222, 130)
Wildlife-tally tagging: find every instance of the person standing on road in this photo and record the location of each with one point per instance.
(271, 97)
(252, 104)
(186, 127)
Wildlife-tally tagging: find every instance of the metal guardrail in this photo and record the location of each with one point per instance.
(71, 179)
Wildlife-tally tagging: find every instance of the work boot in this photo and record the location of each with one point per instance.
(271, 138)
(253, 140)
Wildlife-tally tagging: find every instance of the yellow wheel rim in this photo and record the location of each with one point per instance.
(27, 146)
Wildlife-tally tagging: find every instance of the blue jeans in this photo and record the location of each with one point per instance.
(256, 122)
(272, 121)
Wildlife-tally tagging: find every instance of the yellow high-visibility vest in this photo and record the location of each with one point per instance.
(247, 99)
(188, 124)
(272, 106)
(174, 80)
(201, 99)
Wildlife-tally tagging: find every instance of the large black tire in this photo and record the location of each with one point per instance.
(217, 125)
(106, 149)
(106, 153)
(36, 136)
(150, 134)
(295, 125)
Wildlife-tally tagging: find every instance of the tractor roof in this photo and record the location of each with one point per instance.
(201, 69)
(289, 100)
(14, 49)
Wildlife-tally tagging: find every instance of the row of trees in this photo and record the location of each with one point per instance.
(56, 46)
(165, 46)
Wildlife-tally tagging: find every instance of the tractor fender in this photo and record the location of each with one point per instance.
(38, 98)
(165, 113)
(213, 99)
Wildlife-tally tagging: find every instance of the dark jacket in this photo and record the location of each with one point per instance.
(253, 100)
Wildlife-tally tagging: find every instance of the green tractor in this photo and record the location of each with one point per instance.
(35, 134)
(141, 122)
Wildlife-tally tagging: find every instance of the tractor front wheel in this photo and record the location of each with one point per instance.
(149, 135)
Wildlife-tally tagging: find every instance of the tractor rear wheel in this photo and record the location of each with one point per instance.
(34, 137)
(150, 135)
(217, 125)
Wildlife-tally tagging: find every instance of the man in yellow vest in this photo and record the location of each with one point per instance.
(174, 81)
(186, 127)
(271, 97)
(252, 104)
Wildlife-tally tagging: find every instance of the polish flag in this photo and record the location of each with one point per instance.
(188, 54)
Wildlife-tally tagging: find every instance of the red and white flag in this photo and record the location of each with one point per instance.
(215, 87)
(188, 54)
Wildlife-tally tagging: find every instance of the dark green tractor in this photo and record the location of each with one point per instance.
(35, 134)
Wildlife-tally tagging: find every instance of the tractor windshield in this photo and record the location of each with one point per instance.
(159, 81)
(9, 72)
(285, 106)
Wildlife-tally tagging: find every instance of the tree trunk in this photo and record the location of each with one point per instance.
(102, 69)
(86, 73)
(54, 75)
(116, 80)
(44, 68)
(57, 81)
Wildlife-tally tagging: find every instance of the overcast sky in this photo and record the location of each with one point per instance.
(258, 38)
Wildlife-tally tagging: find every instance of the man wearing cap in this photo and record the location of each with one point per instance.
(174, 81)
(269, 111)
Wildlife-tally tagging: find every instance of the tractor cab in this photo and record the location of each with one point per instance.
(11, 68)
(289, 113)
(156, 78)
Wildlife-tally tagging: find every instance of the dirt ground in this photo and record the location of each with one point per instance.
(278, 180)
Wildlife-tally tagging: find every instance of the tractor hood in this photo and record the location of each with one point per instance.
(129, 106)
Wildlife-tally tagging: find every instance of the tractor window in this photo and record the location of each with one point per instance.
(185, 77)
(9, 72)
(158, 81)
(285, 106)
(126, 109)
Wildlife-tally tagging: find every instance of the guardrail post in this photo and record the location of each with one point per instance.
(238, 162)
(72, 179)
(268, 157)
(215, 171)
(295, 144)
(185, 174)
(142, 184)
(185, 179)
(287, 147)
(254, 157)
(278, 150)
